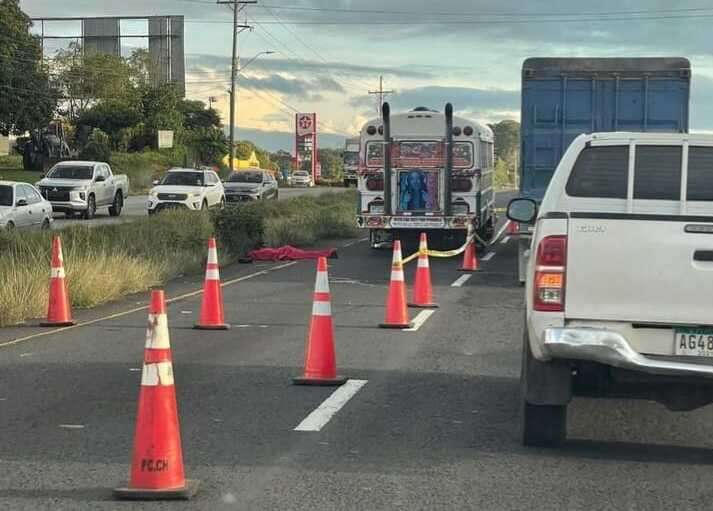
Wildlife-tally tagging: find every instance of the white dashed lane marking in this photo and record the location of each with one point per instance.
(419, 320)
(505, 240)
(319, 418)
(488, 256)
(461, 280)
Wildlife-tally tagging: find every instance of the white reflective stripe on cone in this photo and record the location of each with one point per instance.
(213, 255)
(422, 262)
(321, 309)
(321, 284)
(397, 275)
(157, 374)
(397, 256)
(212, 274)
(157, 332)
(57, 273)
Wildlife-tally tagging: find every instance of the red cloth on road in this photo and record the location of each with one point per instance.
(288, 253)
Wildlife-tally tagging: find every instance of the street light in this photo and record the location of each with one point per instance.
(233, 96)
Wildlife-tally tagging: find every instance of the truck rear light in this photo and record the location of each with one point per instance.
(550, 274)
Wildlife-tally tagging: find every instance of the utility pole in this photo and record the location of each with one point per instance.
(237, 29)
(381, 93)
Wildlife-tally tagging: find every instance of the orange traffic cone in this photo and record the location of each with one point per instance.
(422, 289)
(470, 258)
(320, 359)
(59, 310)
(157, 462)
(212, 315)
(396, 310)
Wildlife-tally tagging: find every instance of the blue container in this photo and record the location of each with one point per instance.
(563, 98)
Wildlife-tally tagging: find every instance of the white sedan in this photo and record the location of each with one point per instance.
(301, 178)
(22, 207)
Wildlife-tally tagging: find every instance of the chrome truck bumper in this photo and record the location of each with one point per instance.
(611, 348)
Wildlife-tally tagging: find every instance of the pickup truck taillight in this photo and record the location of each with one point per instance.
(550, 274)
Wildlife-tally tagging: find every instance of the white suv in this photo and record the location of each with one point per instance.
(187, 189)
(620, 277)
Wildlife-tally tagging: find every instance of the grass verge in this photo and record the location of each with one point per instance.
(102, 263)
(300, 221)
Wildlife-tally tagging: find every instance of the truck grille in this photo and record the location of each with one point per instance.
(55, 193)
(172, 196)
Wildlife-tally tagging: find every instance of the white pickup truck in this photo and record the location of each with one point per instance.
(619, 285)
(82, 187)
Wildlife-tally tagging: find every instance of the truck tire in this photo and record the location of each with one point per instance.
(91, 208)
(117, 205)
(543, 424)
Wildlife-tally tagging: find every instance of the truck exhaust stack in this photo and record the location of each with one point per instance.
(386, 115)
(448, 170)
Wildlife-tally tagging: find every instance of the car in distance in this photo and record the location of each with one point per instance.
(250, 185)
(617, 294)
(301, 178)
(192, 189)
(22, 207)
(83, 187)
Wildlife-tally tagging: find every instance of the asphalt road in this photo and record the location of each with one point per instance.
(135, 206)
(435, 427)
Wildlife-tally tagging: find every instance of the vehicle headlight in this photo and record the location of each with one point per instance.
(153, 194)
(80, 189)
(195, 194)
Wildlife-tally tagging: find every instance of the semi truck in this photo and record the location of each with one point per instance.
(563, 98)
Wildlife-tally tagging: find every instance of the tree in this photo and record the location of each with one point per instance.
(507, 150)
(160, 106)
(27, 101)
(207, 146)
(196, 115)
(87, 78)
(332, 163)
(113, 117)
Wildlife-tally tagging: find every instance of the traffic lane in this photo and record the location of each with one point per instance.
(134, 206)
(92, 370)
(437, 428)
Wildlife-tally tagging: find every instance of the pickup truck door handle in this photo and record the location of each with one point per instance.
(703, 255)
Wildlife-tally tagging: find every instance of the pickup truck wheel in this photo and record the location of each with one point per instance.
(9, 227)
(277, 195)
(117, 205)
(543, 425)
(204, 206)
(45, 224)
(91, 208)
(222, 203)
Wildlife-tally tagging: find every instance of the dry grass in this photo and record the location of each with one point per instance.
(102, 263)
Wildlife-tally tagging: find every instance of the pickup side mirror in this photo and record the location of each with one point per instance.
(522, 210)
(100, 179)
(21, 202)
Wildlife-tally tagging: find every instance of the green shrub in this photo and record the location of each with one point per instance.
(300, 221)
(98, 147)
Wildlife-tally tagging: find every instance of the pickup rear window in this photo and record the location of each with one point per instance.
(5, 195)
(657, 172)
(600, 172)
(700, 174)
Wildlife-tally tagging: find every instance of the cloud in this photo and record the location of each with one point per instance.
(306, 66)
(464, 99)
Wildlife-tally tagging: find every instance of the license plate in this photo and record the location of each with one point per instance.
(693, 342)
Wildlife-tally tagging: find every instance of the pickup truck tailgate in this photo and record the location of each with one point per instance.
(639, 269)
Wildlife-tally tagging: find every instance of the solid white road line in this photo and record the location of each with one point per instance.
(71, 426)
(319, 418)
(461, 280)
(419, 320)
(488, 256)
(505, 240)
